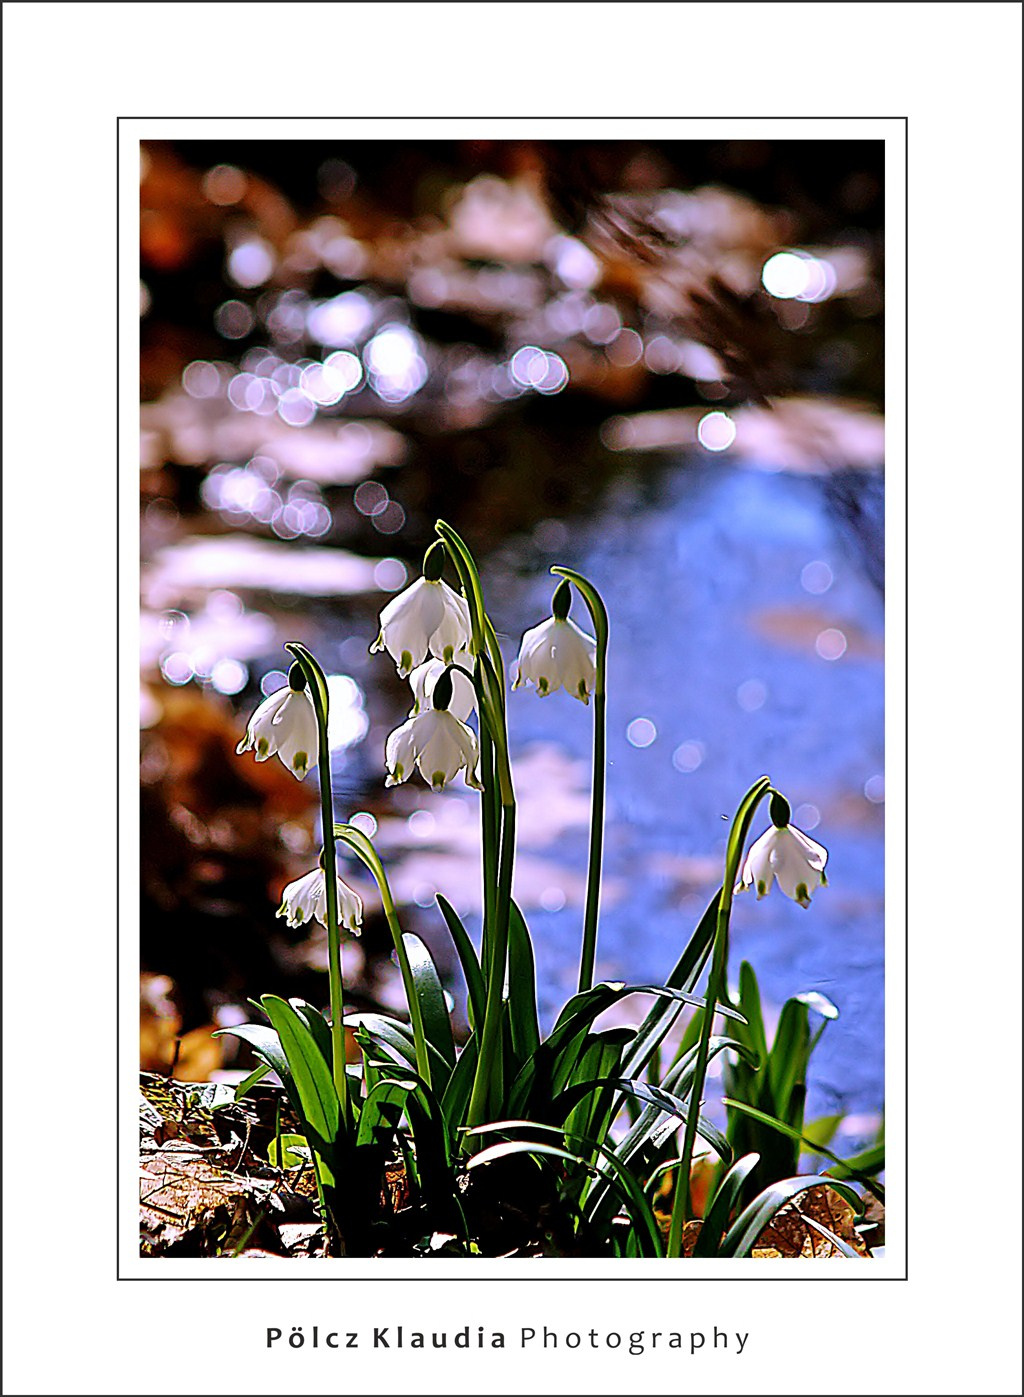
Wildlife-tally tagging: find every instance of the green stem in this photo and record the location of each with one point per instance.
(588, 952)
(713, 995)
(317, 682)
(599, 616)
(485, 1080)
(489, 825)
(357, 841)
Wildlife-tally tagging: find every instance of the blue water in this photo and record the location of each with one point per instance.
(713, 641)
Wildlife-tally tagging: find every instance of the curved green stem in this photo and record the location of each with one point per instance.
(470, 579)
(317, 682)
(357, 841)
(599, 616)
(713, 995)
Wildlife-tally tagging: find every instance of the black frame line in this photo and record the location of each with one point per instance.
(430, 1276)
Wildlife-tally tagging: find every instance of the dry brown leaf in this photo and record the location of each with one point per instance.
(790, 1234)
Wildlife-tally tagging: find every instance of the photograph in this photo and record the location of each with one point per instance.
(512, 687)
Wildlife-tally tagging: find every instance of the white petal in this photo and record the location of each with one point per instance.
(400, 752)
(573, 654)
(555, 655)
(298, 901)
(409, 620)
(298, 734)
(815, 854)
(350, 908)
(757, 869)
(452, 633)
(260, 731)
(439, 754)
(792, 868)
(425, 676)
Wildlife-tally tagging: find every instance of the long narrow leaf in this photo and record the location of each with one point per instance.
(475, 986)
(644, 1221)
(744, 1232)
(522, 979)
(847, 1167)
(684, 975)
(313, 1083)
(716, 1218)
(436, 1023)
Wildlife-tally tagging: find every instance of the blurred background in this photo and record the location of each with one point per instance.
(660, 364)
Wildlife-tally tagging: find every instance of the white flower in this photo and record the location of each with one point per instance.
(788, 856)
(439, 744)
(558, 655)
(285, 724)
(428, 616)
(307, 897)
(425, 676)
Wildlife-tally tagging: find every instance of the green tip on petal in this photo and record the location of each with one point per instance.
(405, 663)
(802, 895)
(762, 887)
(542, 685)
(262, 746)
(437, 781)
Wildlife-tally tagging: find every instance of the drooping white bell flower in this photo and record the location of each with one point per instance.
(558, 655)
(436, 742)
(786, 855)
(425, 676)
(307, 897)
(285, 725)
(427, 617)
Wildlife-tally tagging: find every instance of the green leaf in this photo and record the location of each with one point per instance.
(456, 1096)
(317, 1025)
(750, 1006)
(787, 1061)
(395, 1039)
(310, 1073)
(246, 1085)
(685, 975)
(744, 1232)
(437, 1025)
(549, 1068)
(294, 1149)
(522, 992)
(265, 1044)
(858, 1167)
(644, 1222)
(727, 1195)
(475, 987)
(381, 1113)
